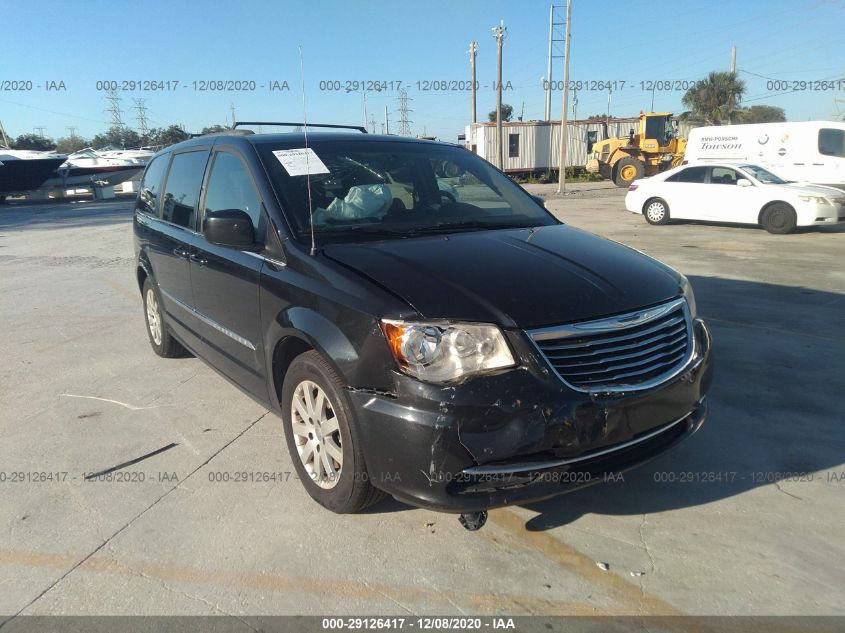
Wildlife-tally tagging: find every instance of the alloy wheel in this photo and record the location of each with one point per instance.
(316, 434)
(153, 318)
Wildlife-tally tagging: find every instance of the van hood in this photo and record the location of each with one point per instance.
(523, 278)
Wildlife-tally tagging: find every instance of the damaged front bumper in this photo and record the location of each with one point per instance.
(521, 435)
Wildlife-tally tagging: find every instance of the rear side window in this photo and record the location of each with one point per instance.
(183, 186)
(151, 186)
(723, 176)
(832, 142)
(690, 174)
(230, 187)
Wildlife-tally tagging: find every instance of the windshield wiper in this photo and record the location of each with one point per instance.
(470, 224)
(362, 229)
(375, 230)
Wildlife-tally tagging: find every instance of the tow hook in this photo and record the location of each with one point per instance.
(473, 521)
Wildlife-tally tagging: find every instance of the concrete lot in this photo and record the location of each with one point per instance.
(707, 529)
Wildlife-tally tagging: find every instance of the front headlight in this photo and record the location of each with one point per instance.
(814, 199)
(689, 295)
(439, 352)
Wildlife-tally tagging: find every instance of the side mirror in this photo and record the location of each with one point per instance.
(743, 182)
(229, 227)
(540, 200)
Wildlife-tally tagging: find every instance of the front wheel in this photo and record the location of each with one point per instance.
(322, 437)
(656, 211)
(627, 170)
(779, 219)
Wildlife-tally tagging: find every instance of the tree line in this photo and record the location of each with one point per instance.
(116, 137)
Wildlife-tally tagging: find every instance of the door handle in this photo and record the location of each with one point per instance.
(199, 259)
(180, 252)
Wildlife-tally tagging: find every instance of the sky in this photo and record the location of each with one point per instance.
(416, 43)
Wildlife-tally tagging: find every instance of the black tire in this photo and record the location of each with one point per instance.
(656, 211)
(352, 490)
(779, 218)
(166, 346)
(627, 170)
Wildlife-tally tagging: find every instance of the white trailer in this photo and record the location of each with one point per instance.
(528, 147)
(806, 151)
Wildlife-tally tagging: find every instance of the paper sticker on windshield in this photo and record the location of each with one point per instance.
(301, 162)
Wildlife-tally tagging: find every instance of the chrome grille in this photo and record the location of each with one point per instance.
(628, 351)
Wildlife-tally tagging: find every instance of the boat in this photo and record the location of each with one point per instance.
(25, 170)
(89, 167)
(143, 153)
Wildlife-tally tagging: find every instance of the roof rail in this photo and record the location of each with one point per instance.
(227, 132)
(359, 128)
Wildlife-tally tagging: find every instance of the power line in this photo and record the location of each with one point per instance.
(65, 114)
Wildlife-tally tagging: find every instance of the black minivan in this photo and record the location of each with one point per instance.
(422, 325)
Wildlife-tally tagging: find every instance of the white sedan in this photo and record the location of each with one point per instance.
(734, 192)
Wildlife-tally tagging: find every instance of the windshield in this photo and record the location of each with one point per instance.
(377, 189)
(763, 175)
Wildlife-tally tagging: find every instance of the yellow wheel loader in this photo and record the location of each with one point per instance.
(646, 151)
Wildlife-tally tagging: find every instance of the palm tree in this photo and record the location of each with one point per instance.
(715, 99)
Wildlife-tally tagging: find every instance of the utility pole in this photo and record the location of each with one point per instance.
(607, 117)
(114, 109)
(40, 130)
(556, 39)
(386, 122)
(574, 104)
(3, 135)
(232, 108)
(499, 34)
(72, 131)
(366, 122)
(404, 110)
(473, 50)
(548, 111)
(733, 72)
(373, 123)
(564, 131)
(141, 107)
